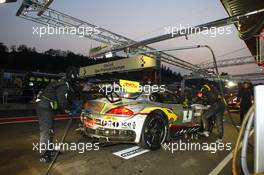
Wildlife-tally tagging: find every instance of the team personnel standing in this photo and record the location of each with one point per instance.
(55, 97)
(211, 96)
(245, 99)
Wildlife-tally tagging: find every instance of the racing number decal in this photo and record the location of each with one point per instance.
(187, 116)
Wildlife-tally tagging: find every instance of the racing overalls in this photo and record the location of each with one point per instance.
(245, 96)
(215, 111)
(53, 98)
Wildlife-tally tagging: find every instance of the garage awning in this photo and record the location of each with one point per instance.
(249, 27)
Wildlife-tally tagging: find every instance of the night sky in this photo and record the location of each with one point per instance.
(138, 20)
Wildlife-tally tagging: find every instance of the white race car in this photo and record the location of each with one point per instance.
(147, 118)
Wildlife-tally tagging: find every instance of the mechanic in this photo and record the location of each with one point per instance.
(53, 98)
(245, 99)
(211, 96)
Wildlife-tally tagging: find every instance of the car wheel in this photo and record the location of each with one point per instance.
(154, 132)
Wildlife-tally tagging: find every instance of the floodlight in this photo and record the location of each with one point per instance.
(231, 84)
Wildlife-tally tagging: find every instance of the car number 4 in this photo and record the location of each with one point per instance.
(187, 116)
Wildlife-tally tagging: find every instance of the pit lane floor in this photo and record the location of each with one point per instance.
(17, 156)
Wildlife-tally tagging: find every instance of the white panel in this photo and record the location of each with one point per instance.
(259, 129)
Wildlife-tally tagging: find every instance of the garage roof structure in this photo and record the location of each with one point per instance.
(249, 27)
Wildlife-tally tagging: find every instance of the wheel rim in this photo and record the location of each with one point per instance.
(155, 132)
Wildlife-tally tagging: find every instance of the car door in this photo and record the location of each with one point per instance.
(169, 100)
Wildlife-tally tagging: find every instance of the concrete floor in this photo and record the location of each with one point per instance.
(17, 156)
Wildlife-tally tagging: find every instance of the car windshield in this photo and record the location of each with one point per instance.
(164, 97)
(129, 95)
(119, 92)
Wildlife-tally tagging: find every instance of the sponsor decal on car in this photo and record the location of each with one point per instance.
(116, 124)
(185, 131)
(129, 125)
(110, 118)
(129, 86)
(90, 122)
(110, 123)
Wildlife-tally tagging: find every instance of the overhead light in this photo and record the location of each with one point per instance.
(231, 84)
(7, 1)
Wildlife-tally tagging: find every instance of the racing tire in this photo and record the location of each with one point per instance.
(154, 132)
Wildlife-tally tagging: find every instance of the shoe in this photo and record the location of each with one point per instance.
(45, 159)
(80, 129)
(54, 152)
(205, 133)
(47, 156)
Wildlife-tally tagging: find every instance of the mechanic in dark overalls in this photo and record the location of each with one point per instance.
(244, 99)
(55, 97)
(215, 112)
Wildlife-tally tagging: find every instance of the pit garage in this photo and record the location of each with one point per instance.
(139, 130)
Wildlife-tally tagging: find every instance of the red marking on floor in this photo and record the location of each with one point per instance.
(31, 118)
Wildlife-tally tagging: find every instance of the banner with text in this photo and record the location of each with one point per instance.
(127, 64)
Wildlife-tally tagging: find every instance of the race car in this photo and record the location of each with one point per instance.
(147, 116)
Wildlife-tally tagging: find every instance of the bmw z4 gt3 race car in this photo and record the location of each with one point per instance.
(147, 118)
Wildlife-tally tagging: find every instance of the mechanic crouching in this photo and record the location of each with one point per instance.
(53, 98)
(214, 114)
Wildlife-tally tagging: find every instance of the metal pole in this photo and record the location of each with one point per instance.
(2, 84)
(158, 68)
